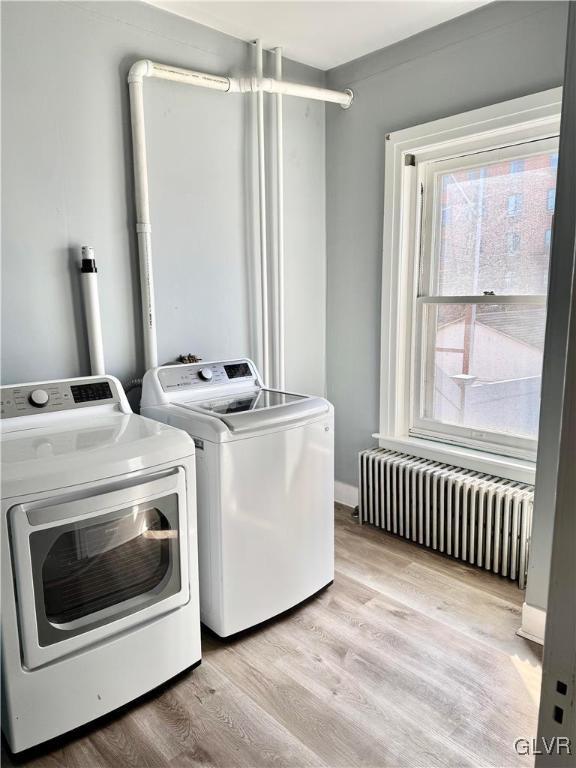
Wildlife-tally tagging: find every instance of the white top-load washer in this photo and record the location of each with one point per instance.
(265, 479)
(99, 555)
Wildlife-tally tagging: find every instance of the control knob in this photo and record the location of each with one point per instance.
(205, 374)
(38, 398)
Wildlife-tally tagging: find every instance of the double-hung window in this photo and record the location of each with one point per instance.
(480, 312)
(469, 204)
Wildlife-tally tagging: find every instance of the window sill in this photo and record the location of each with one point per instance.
(521, 470)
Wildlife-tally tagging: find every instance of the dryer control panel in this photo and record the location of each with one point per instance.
(175, 378)
(52, 396)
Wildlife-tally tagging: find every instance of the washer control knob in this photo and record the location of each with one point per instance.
(39, 398)
(205, 374)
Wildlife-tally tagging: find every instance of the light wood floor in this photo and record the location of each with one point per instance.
(409, 659)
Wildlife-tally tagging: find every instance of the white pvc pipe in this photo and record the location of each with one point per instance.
(188, 76)
(281, 363)
(262, 217)
(89, 280)
(143, 229)
(344, 98)
(146, 68)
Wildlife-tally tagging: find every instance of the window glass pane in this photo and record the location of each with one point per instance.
(490, 227)
(484, 366)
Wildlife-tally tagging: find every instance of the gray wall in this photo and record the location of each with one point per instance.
(67, 181)
(500, 52)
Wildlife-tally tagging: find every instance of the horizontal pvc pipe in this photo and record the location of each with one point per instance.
(147, 68)
(344, 98)
(189, 77)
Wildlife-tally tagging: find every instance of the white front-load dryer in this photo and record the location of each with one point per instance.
(265, 476)
(99, 555)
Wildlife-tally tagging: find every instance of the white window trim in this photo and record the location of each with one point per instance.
(534, 117)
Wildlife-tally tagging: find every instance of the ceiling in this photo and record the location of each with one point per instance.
(322, 33)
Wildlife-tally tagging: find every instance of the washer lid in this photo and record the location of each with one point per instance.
(258, 409)
(82, 450)
(254, 400)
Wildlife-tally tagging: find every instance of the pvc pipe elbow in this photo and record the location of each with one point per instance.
(139, 70)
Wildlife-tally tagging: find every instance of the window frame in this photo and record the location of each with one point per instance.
(498, 127)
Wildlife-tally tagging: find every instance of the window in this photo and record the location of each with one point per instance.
(551, 199)
(479, 329)
(548, 238)
(554, 161)
(514, 204)
(464, 293)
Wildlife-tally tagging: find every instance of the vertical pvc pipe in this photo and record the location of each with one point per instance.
(143, 229)
(89, 279)
(262, 200)
(280, 357)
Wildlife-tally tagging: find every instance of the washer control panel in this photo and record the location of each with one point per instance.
(50, 396)
(177, 377)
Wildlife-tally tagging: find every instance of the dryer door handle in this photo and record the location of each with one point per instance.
(102, 499)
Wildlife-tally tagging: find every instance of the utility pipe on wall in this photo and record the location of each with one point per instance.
(280, 304)
(146, 68)
(89, 279)
(262, 216)
(142, 201)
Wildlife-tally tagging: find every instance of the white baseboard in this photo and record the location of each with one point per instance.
(346, 494)
(533, 623)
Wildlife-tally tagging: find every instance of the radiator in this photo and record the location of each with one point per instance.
(481, 519)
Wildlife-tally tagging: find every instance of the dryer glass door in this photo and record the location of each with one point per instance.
(91, 571)
(94, 565)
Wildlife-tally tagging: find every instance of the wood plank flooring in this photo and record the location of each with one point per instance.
(409, 659)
